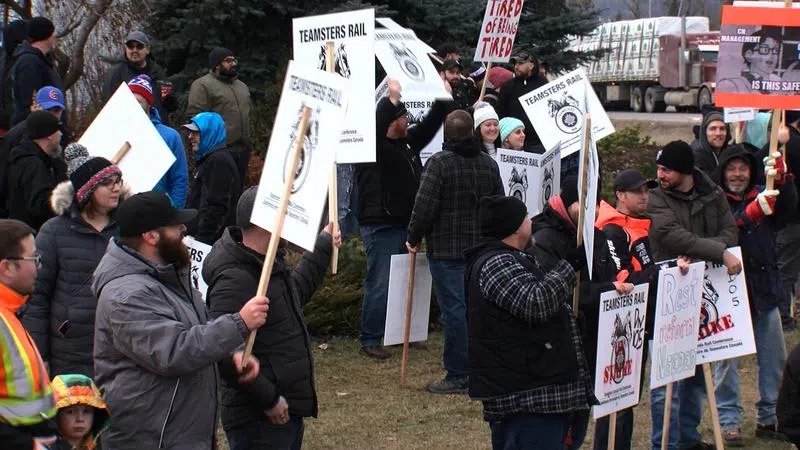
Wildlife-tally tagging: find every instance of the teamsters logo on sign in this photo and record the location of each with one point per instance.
(407, 61)
(567, 113)
(340, 65)
(309, 145)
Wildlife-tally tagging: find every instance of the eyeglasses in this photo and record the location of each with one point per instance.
(765, 50)
(134, 45)
(37, 258)
(111, 182)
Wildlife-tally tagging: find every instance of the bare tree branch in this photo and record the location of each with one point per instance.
(97, 9)
(76, 22)
(22, 12)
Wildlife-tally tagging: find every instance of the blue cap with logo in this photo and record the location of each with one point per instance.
(50, 97)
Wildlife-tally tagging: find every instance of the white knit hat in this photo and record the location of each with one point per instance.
(483, 112)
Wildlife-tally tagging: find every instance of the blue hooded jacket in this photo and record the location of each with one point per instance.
(175, 182)
(212, 133)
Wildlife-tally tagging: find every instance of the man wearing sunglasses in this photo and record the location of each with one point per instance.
(761, 60)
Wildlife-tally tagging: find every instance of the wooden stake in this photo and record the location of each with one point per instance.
(485, 81)
(712, 405)
(412, 267)
(333, 199)
(667, 414)
(280, 217)
(587, 147)
(737, 133)
(773, 144)
(121, 153)
(612, 431)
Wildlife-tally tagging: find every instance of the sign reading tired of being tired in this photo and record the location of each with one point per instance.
(498, 31)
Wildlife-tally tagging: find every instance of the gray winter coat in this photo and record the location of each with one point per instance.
(155, 354)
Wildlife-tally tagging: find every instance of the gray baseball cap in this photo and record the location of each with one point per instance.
(138, 36)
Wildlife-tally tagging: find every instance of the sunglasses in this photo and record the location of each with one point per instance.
(37, 259)
(134, 45)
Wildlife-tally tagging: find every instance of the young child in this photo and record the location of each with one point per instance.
(82, 413)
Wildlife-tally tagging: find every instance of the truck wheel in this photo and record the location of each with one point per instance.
(651, 104)
(704, 98)
(637, 98)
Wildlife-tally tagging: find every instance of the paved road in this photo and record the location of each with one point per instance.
(665, 117)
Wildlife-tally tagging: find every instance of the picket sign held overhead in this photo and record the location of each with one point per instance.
(530, 177)
(123, 121)
(390, 24)
(498, 31)
(404, 57)
(198, 252)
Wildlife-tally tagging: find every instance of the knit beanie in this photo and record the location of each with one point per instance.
(677, 156)
(483, 112)
(40, 29)
(399, 110)
(477, 71)
(508, 125)
(41, 124)
(86, 172)
(244, 208)
(217, 55)
(569, 190)
(500, 216)
(141, 85)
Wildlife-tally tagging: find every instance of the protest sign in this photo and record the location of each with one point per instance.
(557, 111)
(498, 31)
(123, 120)
(732, 115)
(590, 166)
(726, 329)
(197, 254)
(325, 94)
(620, 346)
(405, 59)
(390, 24)
(353, 36)
(759, 61)
(421, 303)
(674, 348)
(530, 177)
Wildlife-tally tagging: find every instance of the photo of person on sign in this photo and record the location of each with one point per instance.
(760, 65)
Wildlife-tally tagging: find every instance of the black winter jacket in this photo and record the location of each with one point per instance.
(508, 105)
(32, 71)
(788, 408)
(214, 194)
(11, 139)
(125, 71)
(32, 176)
(387, 187)
(282, 345)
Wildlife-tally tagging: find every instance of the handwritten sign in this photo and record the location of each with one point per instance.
(498, 31)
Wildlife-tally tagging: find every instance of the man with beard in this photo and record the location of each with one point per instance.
(712, 139)
(155, 351)
(221, 92)
(465, 94)
(526, 79)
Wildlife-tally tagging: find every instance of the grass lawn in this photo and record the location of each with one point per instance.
(363, 407)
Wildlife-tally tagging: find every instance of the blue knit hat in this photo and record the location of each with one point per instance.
(508, 125)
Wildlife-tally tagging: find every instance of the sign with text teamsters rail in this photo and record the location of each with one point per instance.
(498, 31)
(353, 36)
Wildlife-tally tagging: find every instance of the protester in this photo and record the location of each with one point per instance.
(82, 413)
(386, 192)
(26, 399)
(526, 79)
(34, 170)
(216, 186)
(487, 127)
(464, 92)
(446, 214)
(14, 33)
(136, 61)
(221, 91)
(759, 214)
(526, 361)
(713, 137)
(34, 67)
(691, 219)
(788, 241)
(60, 314)
(268, 412)
(448, 51)
(175, 182)
(512, 133)
(478, 75)
(788, 408)
(154, 349)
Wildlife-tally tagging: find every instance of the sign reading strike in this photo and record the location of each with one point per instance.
(619, 350)
(674, 349)
(530, 177)
(324, 93)
(726, 330)
(498, 31)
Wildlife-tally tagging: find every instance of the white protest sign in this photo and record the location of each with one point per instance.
(396, 305)
(674, 349)
(123, 120)
(726, 329)
(405, 59)
(732, 115)
(530, 177)
(558, 109)
(324, 93)
(390, 24)
(498, 31)
(590, 206)
(353, 35)
(620, 346)
(197, 254)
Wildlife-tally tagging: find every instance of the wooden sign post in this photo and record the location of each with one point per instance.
(412, 267)
(485, 80)
(708, 374)
(333, 199)
(121, 153)
(587, 147)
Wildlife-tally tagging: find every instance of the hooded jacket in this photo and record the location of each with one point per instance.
(175, 182)
(125, 71)
(14, 34)
(217, 185)
(508, 105)
(32, 71)
(230, 98)
(283, 347)
(705, 157)
(155, 354)
(72, 389)
(448, 200)
(32, 176)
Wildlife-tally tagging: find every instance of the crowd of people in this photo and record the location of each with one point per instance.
(106, 343)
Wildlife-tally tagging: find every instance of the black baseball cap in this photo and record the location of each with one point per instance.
(450, 64)
(147, 211)
(631, 180)
(521, 56)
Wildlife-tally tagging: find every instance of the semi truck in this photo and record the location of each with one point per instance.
(653, 63)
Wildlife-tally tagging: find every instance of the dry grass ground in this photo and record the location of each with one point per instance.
(363, 407)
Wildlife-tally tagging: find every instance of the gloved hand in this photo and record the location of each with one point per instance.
(762, 206)
(775, 167)
(576, 258)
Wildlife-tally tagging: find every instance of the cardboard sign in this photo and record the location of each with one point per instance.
(674, 349)
(396, 306)
(325, 94)
(197, 254)
(406, 60)
(558, 109)
(498, 31)
(590, 204)
(732, 115)
(759, 60)
(726, 329)
(620, 346)
(353, 35)
(530, 177)
(123, 120)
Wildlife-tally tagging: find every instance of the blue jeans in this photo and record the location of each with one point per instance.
(531, 431)
(448, 281)
(686, 413)
(381, 241)
(345, 190)
(265, 436)
(771, 356)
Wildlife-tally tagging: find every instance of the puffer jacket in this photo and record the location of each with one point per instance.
(230, 98)
(232, 272)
